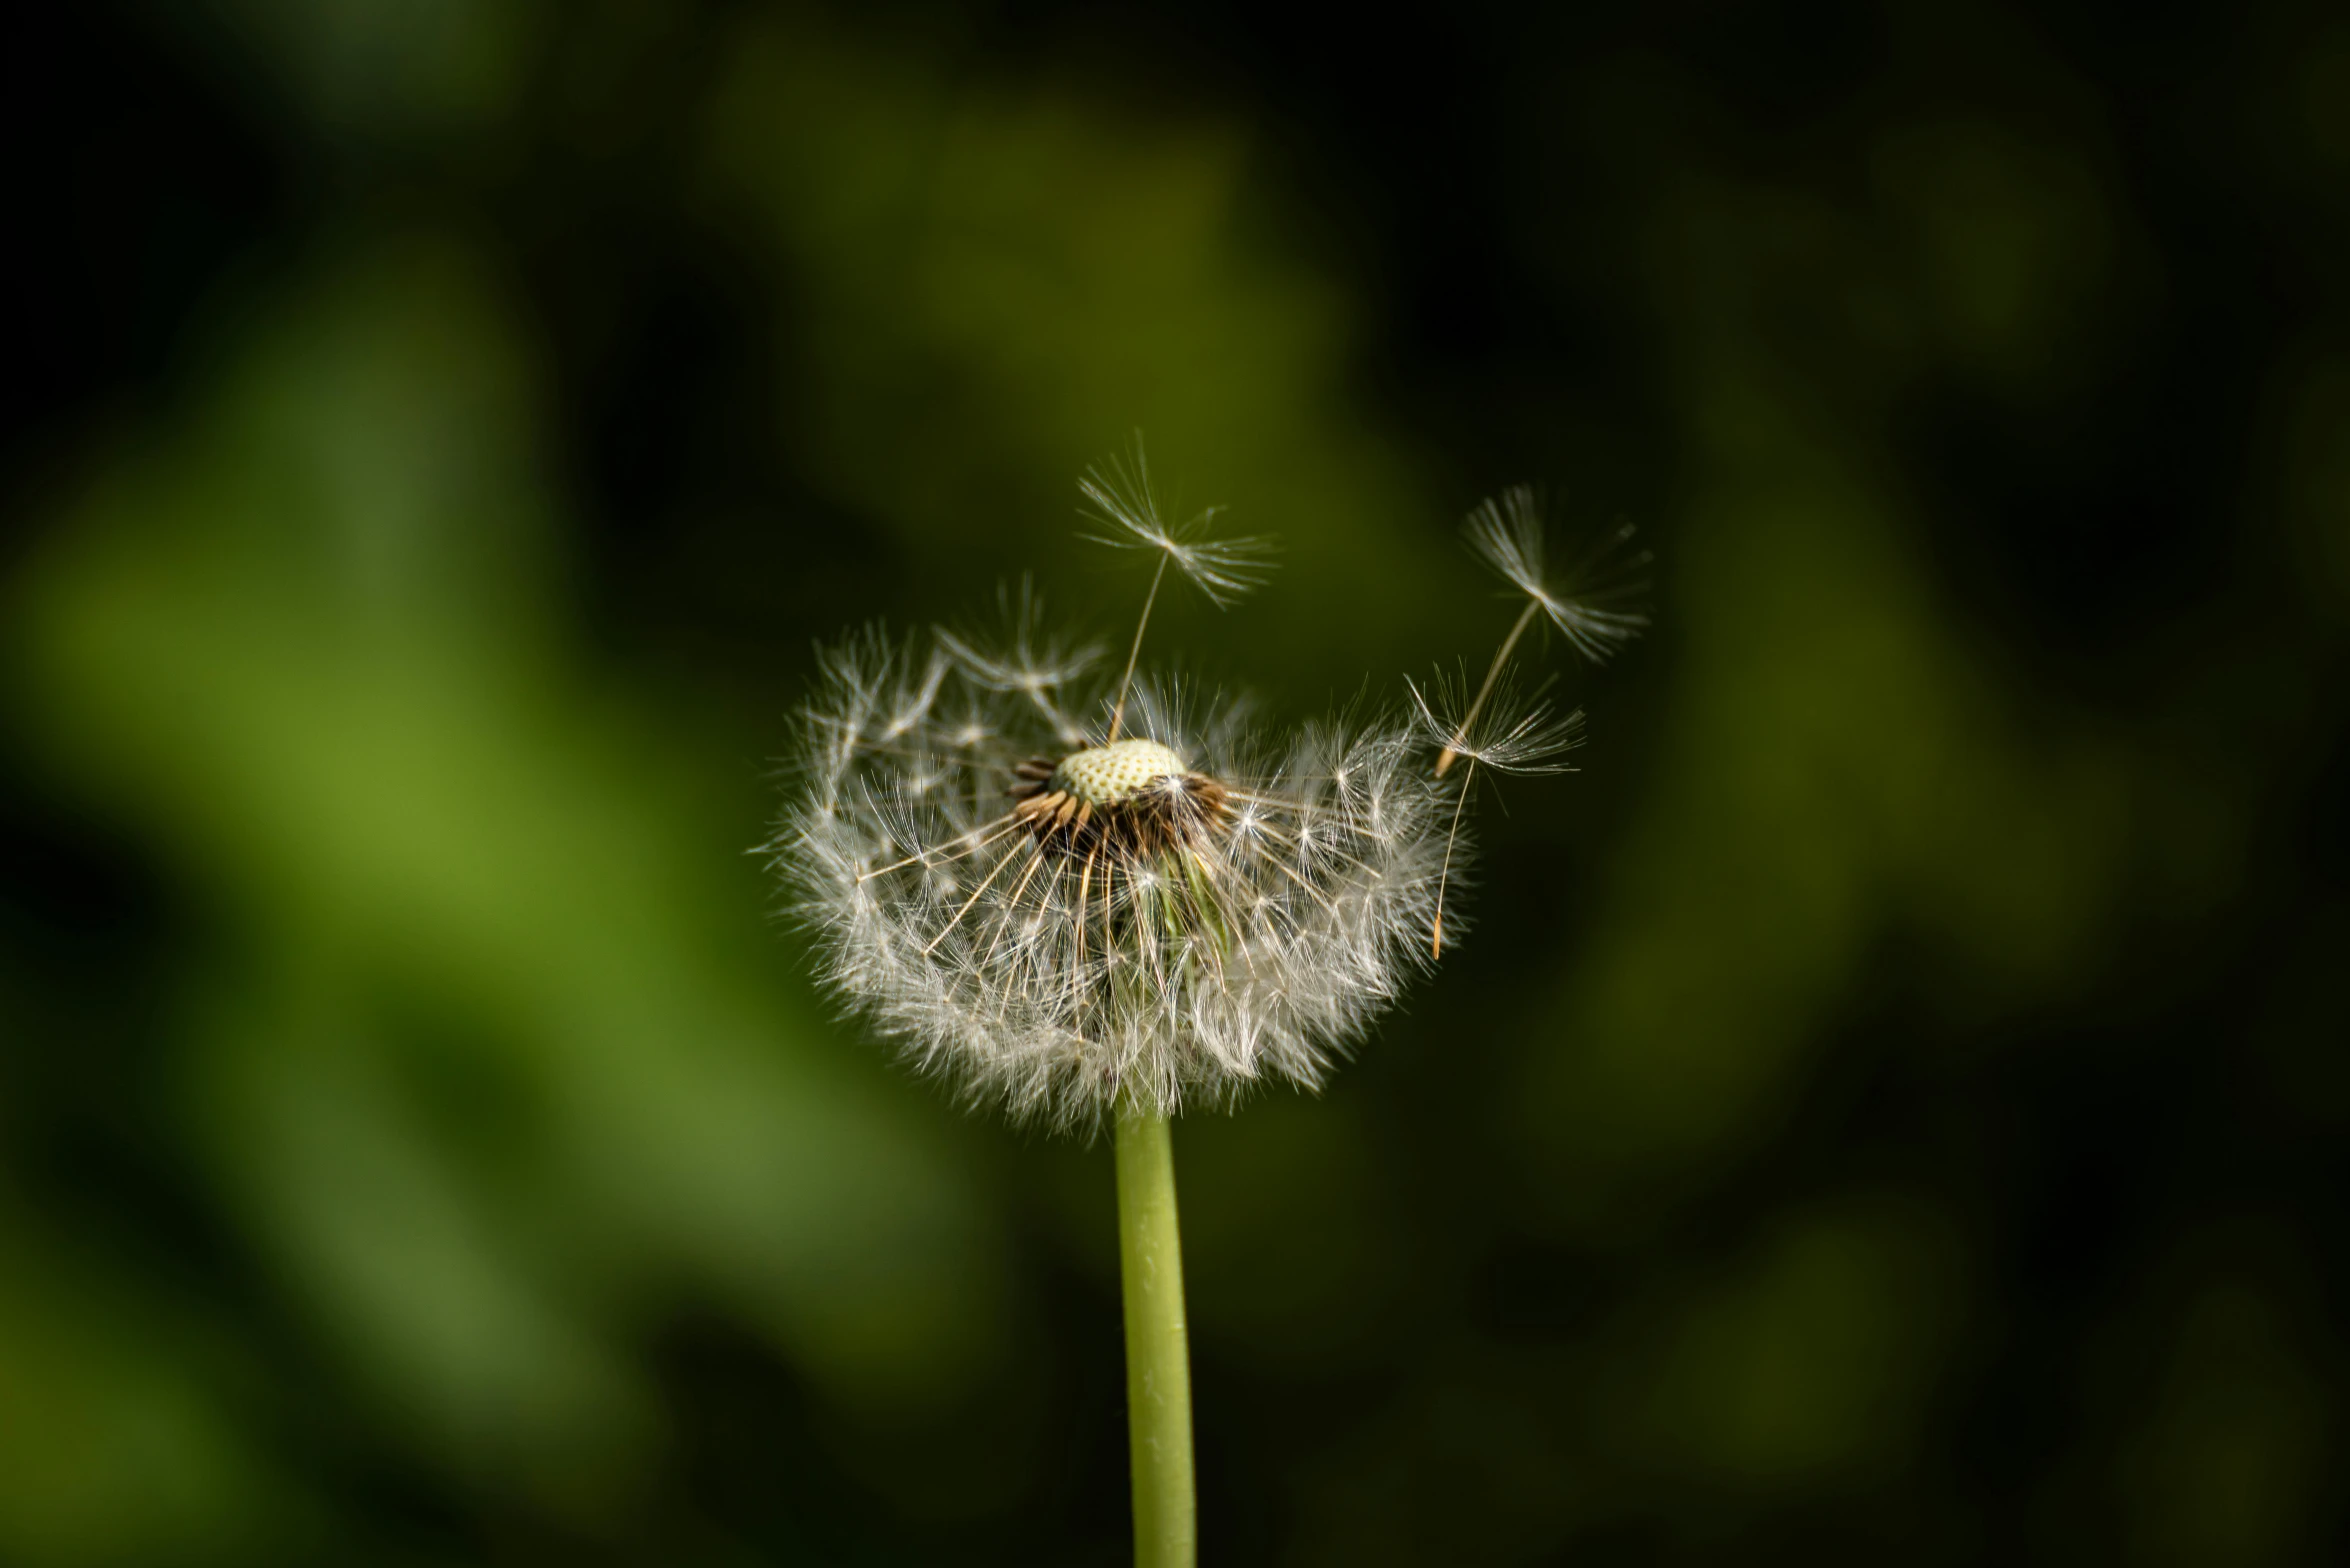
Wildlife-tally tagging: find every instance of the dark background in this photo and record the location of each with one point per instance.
(1890, 1108)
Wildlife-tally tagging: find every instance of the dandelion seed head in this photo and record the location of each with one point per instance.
(1059, 921)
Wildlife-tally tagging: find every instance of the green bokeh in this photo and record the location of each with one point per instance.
(419, 1141)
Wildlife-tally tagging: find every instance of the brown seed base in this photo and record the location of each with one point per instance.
(1141, 827)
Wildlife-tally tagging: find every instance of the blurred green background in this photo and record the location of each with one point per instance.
(1891, 1109)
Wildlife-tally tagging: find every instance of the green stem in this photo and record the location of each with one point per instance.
(1158, 1359)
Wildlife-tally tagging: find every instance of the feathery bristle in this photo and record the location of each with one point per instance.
(1123, 500)
(1591, 603)
(1511, 731)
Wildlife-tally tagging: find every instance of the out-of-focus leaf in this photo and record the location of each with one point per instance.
(494, 1056)
(112, 1449)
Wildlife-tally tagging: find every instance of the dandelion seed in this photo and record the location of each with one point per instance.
(1495, 729)
(1508, 732)
(1223, 569)
(1501, 729)
(1588, 604)
(1124, 503)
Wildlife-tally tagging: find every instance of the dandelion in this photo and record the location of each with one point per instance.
(1088, 899)
(1096, 899)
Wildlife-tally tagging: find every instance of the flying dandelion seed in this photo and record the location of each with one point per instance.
(1501, 729)
(1071, 896)
(1124, 503)
(1592, 604)
(1511, 732)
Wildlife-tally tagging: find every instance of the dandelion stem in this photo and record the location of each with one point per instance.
(1158, 1359)
(1525, 619)
(1118, 713)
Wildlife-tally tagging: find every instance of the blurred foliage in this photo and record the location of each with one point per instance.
(1891, 1106)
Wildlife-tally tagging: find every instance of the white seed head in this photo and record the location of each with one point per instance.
(1059, 922)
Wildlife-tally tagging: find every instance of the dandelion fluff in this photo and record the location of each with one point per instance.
(1066, 900)
(1502, 728)
(1591, 604)
(1126, 507)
